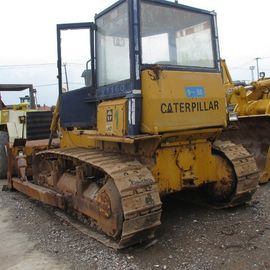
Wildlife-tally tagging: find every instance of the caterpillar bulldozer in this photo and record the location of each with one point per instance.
(251, 103)
(144, 125)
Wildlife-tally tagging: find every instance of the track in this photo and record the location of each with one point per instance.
(140, 202)
(246, 172)
(126, 206)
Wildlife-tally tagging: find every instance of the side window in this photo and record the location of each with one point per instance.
(113, 46)
(76, 59)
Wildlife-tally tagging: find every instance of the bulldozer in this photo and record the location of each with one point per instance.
(145, 124)
(21, 125)
(251, 104)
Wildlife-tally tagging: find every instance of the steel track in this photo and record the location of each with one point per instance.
(139, 194)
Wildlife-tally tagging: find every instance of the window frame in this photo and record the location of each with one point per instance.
(75, 26)
(126, 87)
(214, 35)
(101, 14)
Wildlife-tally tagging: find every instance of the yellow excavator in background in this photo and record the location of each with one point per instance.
(251, 103)
(144, 125)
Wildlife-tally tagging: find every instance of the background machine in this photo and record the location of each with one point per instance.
(251, 103)
(21, 122)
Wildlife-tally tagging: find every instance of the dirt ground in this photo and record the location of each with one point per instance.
(191, 237)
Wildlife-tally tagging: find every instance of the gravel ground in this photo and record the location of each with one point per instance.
(191, 237)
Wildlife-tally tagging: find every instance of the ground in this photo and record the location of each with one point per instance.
(191, 237)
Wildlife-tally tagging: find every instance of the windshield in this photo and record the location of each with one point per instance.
(113, 46)
(175, 36)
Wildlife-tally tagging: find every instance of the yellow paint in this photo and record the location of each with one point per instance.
(186, 166)
(4, 116)
(56, 115)
(77, 138)
(226, 76)
(182, 156)
(250, 101)
(166, 107)
(21, 107)
(112, 117)
(265, 175)
(228, 84)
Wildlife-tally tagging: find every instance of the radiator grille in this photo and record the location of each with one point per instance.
(38, 125)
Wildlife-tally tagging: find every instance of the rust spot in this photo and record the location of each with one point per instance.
(104, 203)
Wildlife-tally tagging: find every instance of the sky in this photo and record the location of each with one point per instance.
(28, 38)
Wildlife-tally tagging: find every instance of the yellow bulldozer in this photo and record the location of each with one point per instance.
(144, 125)
(251, 103)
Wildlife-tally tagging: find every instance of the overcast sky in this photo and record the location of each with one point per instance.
(28, 36)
